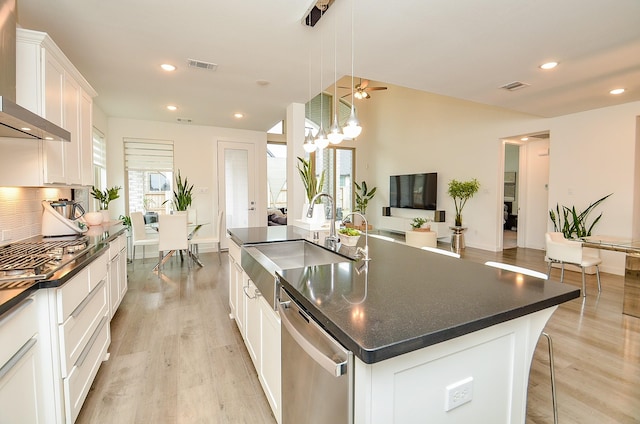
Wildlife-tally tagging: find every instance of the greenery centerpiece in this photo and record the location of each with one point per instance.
(312, 185)
(573, 224)
(461, 191)
(182, 194)
(349, 236)
(417, 224)
(106, 196)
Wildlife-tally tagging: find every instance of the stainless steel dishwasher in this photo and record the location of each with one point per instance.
(317, 372)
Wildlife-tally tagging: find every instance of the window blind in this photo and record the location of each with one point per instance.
(148, 155)
(99, 150)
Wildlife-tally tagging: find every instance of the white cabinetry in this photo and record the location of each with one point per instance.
(117, 272)
(400, 224)
(49, 85)
(21, 384)
(259, 325)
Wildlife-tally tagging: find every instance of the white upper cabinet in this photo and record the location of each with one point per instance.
(49, 85)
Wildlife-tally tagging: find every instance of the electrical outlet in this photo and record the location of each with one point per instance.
(6, 235)
(459, 393)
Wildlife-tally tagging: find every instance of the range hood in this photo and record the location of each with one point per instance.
(15, 120)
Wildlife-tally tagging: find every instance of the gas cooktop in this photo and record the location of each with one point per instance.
(37, 260)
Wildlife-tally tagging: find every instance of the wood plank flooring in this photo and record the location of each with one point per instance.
(176, 357)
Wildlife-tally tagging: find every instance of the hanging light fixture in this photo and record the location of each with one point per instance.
(335, 135)
(352, 128)
(321, 139)
(309, 146)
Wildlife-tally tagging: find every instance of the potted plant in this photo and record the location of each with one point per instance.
(363, 195)
(573, 224)
(461, 191)
(349, 236)
(417, 224)
(182, 194)
(312, 186)
(104, 198)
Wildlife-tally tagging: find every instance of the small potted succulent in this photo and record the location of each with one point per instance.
(349, 236)
(418, 224)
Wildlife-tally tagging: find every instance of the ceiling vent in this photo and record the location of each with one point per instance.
(541, 136)
(315, 12)
(202, 65)
(183, 120)
(516, 85)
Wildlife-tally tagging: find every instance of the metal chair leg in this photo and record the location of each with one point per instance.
(598, 277)
(219, 255)
(553, 378)
(584, 284)
(562, 272)
(549, 269)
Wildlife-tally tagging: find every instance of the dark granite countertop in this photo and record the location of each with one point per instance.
(99, 238)
(405, 298)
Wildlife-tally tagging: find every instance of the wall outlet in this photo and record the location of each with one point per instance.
(459, 393)
(6, 235)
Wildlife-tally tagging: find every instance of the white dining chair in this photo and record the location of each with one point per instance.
(197, 240)
(563, 251)
(139, 236)
(542, 276)
(173, 236)
(440, 251)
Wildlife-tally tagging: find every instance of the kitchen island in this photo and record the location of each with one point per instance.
(420, 324)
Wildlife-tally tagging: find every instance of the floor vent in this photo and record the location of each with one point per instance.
(202, 65)
(516, 85)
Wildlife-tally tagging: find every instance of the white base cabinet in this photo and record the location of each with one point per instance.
(259, 325)
(117, 272)
(21, 383)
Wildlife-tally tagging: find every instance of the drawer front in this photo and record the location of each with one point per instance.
(71, 294)
(98, 270)
(80, 326)
(16, 327)
(78, 383)
(234, 251)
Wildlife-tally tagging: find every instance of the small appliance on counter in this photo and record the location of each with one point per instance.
(60, 218)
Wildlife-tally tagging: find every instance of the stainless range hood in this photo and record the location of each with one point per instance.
(16, 121)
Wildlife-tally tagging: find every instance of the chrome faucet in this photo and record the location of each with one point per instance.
(332, 240)
(359, 250)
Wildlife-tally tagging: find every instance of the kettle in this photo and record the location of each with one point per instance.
(68, 208)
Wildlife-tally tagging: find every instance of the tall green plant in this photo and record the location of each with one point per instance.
(363, 195)
(573, 224)
(106, 196)
(461, 191)
(312, 185)
(182, 194)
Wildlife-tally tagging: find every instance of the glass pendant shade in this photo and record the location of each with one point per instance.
(309, 146)
(335, 135)
(352, 128)
(321, 139)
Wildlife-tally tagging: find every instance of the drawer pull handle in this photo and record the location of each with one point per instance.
(6, 368)
(15, 310)
(76, 312)
(92, 340)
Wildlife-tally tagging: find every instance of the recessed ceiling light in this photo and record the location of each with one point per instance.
(168, 67)
(548, 65)
(25, 129)
(262, 83)
(524, 139)
(238, 115)
(172, 107)
(617, 91)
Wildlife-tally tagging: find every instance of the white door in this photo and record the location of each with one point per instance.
(236, 179)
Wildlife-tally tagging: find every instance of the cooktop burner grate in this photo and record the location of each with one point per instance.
(37, 259)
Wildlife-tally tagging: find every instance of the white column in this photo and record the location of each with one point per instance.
(295, 137)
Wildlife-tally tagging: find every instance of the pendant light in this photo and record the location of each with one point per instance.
(321, 139)
(352, 128)
(309, 146)
(335, 135)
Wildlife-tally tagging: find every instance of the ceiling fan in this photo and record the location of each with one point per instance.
(361, 90)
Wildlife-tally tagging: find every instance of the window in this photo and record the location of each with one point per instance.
(338, 164)
(99, 160)
(149, 172)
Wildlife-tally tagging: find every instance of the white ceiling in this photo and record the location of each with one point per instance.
(463, 48)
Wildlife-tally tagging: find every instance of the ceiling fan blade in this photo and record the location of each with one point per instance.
(347, 88)
(375, 88)
(363, 84)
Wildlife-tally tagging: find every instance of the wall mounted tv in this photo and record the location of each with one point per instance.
(414, 191)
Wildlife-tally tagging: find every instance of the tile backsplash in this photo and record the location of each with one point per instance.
(21, 210)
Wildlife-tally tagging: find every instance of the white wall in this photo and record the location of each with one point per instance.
(195, 155)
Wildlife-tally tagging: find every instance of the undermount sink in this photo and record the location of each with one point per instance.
(262, 261)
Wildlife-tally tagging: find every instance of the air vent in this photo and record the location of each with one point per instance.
(541, 136)
(202, 65)
(516, 85)
(183, 120)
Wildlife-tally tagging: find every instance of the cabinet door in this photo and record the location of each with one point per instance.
(123, 283)
(114, 291)
(270, 362)
(240, 298)
(233, 291)
(72, 124)
(53, 111)
(252, 324)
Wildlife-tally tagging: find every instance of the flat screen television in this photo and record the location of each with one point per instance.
(414, 191)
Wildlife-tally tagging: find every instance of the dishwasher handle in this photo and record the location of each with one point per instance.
(287, 315)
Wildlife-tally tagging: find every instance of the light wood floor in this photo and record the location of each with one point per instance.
(176, 357)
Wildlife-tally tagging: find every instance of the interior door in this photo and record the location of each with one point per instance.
(236, 179)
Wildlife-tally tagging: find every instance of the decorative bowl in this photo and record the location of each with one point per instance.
(93, 218)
